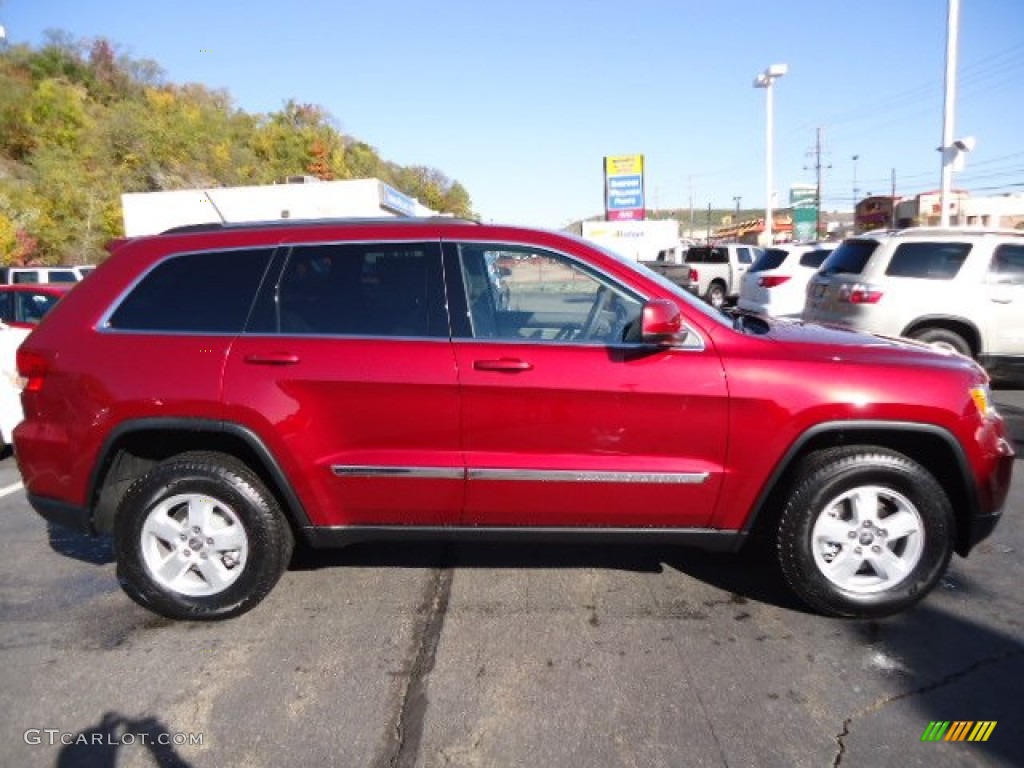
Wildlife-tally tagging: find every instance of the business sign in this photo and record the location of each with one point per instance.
(804, 201)
(393, 200)
(624, 188)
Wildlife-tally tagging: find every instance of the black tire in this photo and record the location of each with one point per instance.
(943, 337)
(715, 295)
(888, 483)
(241, 510)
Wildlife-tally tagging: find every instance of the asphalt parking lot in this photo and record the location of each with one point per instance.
(446, 655)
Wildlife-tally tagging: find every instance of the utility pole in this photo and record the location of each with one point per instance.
(709, 223)
(817, 166)
(948, 109)
(736, 200)
(689, 182)
(855, 190)
(892, 216)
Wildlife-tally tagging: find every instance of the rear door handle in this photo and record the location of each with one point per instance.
(273, 358)
(508, 364)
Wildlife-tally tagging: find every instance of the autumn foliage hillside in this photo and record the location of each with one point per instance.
(81, 124)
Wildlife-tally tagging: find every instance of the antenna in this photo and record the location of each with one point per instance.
(210, 199)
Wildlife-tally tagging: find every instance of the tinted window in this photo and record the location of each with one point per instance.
(363, 290)
(849, 258)
(703, 255)
(62, 276)
(30, 307)
(814, 259)
(207, 292)
(769, 259)
(521, 294)
(25, 277)
(743, 254)
(1008, 264)
(933, 261)
(6, 305)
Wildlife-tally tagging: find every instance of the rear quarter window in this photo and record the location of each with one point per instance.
(769, 259)
(814, 259)
(209, 292)
(931, 261)
(849, 258)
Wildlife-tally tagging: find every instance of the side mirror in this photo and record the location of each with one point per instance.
(661, 323)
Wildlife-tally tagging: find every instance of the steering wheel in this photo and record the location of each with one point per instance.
(593, 321)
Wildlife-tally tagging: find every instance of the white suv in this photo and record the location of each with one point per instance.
(776, 282)
(959, 288)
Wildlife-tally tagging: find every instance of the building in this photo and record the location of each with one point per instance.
(301, 197)
(925, 210)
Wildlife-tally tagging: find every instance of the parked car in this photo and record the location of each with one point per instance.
(23, 306)
(21, 309)
(14, 275)
(211, 394)
(718, 269)
(10, 388)
(958, 288)
(776, 283)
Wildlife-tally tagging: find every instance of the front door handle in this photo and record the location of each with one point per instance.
(507, 364)
(272, 358)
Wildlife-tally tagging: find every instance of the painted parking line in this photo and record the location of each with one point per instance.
(9, 489)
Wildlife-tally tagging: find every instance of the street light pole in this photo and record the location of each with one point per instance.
(947, 149)
(766, 80)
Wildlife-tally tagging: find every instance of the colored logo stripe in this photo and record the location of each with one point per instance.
(982, 730)
(958, 730)
(935, 731)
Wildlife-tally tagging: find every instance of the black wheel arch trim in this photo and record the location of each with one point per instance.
(295, 508)
(934, 318)
(852, 427)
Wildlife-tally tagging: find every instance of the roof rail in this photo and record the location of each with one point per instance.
(218, 226)
(934, 230)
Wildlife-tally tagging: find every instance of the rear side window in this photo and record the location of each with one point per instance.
(62, 276)
(849, 258)
(1008, 264)
(359, 289)
(932, 261)
(208, 292)
(814, 259)
(744, 256)
(769, 259)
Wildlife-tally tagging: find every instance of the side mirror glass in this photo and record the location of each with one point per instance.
(661, 323)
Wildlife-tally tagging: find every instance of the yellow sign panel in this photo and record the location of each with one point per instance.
(624, 165)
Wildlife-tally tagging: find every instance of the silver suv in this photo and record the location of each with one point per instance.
(958, 288)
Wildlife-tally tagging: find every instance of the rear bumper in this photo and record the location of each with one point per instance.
(61, 513)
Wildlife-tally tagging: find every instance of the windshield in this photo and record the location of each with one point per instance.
(849, 258)
(681, 294)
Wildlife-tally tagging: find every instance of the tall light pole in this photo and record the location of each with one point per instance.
(855, 190)
(766, 80)
(949, 153)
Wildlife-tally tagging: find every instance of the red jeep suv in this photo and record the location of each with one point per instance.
(212, 393)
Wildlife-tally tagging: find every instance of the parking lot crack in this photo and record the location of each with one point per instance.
(952, 677)
(406, 727)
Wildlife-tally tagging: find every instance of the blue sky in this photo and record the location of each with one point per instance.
(520, 101)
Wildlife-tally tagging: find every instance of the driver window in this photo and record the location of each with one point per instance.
(524, 294)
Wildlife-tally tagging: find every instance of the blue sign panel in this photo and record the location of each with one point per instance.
(625, 192)
(393, 200)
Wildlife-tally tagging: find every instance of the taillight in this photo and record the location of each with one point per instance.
(772, 280)
(859, 293)
(32, 367)
(694, 277)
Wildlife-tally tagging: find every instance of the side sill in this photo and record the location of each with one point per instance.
(699, 538)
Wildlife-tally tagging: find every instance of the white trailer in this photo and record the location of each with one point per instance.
(639, 240)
